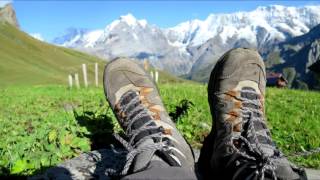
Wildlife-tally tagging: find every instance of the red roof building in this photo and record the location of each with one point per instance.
(276, 80)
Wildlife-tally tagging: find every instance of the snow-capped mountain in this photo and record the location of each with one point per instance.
(262, 28)
(193, 45)
(257, 26)
(75, 38)
(130, 37)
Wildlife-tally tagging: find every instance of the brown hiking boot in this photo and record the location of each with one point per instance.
(151, 136)
(240, 145)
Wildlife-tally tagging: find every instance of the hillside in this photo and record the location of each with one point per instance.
(293, 58)
(25, 60)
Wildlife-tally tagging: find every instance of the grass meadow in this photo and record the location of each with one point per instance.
(45, 125)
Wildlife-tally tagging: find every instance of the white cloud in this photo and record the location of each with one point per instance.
(37, 36)
(4, 2)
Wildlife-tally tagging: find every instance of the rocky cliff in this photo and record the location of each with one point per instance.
(8, 14)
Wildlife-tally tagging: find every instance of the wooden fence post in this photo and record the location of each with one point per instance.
(156, 76)
(70, 81)
(85, 78)
(151, 74)
(96, 73)
(146, 64)
(76, 79)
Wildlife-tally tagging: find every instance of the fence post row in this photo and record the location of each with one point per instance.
(154, 76)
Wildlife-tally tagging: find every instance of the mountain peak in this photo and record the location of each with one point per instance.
(271, 7)
(129, 19)
(132, 21)
(8, 14)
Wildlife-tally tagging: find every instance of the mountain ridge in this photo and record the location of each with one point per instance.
(129, 37)
(264, 16)
(176, 49)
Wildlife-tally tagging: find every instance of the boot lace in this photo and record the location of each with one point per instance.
(247, 144)
(139, 126)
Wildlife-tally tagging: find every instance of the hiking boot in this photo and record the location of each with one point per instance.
(151, 136)
(239, 145)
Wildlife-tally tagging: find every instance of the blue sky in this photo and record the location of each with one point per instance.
(51, 18)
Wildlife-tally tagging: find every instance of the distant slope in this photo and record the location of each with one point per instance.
(293, 58)
(25, 60)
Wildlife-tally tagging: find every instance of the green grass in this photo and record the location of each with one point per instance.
(294, 119)
(25, 60)
(39, 128)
